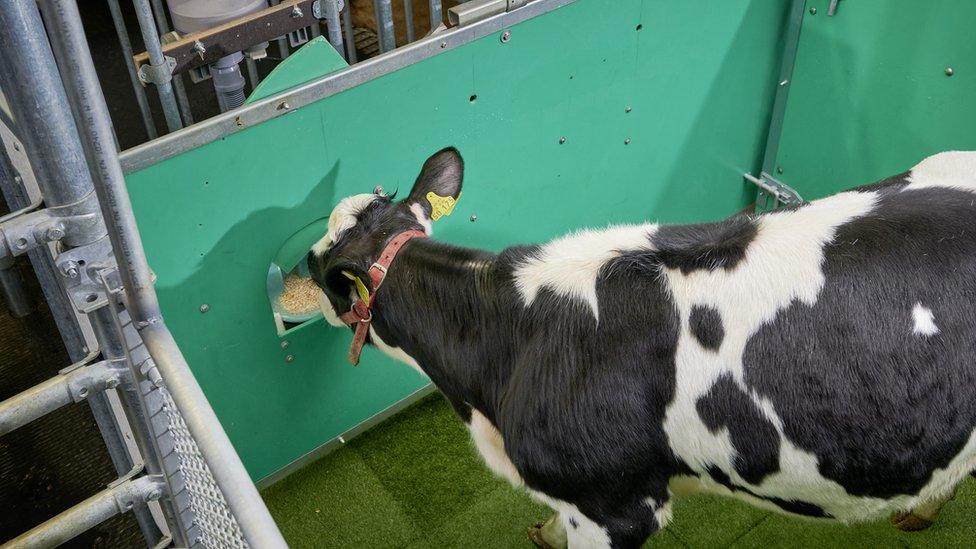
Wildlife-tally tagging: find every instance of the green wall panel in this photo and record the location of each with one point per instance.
(698, 78)
(870, 97)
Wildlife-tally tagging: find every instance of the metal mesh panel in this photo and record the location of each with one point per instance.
(218, 527)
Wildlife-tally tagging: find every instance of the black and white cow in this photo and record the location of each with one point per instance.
(819, 360)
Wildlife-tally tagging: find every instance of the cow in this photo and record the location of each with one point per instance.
(817, 360)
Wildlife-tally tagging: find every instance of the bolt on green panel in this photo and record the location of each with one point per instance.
(594, 113)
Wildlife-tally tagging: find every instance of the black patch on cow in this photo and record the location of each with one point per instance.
(753, 436)
(880, 407)
(790, 506)
(573, 523)
(708, 246)
(706, 325)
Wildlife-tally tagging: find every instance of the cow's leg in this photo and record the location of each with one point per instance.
(550, 534)
(921, 516)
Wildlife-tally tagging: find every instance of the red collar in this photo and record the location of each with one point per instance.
(361, 313)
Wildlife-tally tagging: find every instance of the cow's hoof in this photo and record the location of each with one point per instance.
(910, 522)
(535, 534)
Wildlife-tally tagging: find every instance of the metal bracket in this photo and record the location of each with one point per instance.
(781, 192)
(158, 74)
(130, 490)
(83, 381)
(25, 229)
(79, 268)
(319, 13)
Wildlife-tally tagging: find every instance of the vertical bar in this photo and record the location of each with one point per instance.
(384, 24)
(436, 15)
(137, 87)
(181, 99)
(332, 24)
(156, 59)
(252, 72)
(408, 18)
(89, 106)
(348, 34)
(30, 80)
(12, 289)
(282, 41)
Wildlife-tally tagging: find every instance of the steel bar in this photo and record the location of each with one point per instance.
(784, 83)
(12, 289)
(257, 112)
(333, 25)
(252, 72)
(30, 81)
(384, 24)
(348, 34)
(282, 41)
(114, 500)
(149, 37)
(89, 105)
(408, 19)
(436, 14)
(59, 391)
(137, 87)
(182, 100)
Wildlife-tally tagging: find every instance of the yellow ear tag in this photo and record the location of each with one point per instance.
(441, 205)
(360, 287)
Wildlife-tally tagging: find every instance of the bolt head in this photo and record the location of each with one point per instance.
(506, 36)
(55, 233)
(154, 495)
(284, 344)
(813, 11)
(474, 217)
(443, 45)
(378, 190)
(949, 71)
(627, 141)
(21, 243)
(83, 392)
(562, 140)
(296, 12)
(290, 358)
(69, 269)
(112, 382)
(628, 108)
(779, 169)
(204, 308)
(283, 106)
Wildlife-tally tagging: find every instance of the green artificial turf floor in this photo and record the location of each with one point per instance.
(415, 481)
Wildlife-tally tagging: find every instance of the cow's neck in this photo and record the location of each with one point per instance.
(442, 306)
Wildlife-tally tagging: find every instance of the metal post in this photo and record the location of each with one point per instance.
(30, 81)
(89, 106)
(332, 24)
(384, 24)
(348, 34)
(156, 59)
(163, 25)
(408, 19)
(118, 498)
(252, 72)
(137, 87)
(282, 41)
(436, 15)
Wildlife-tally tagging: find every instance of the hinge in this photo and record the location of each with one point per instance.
(779, 191)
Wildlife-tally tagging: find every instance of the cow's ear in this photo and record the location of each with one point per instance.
(438, 186)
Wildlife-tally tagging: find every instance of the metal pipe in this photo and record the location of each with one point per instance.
(156, 59)
(348, 34)
(282, 41)
(114, 500)
(60, 390)
(30, 81)
(181, 99)
(252, 72)
(137, 87)
(384, 24)
(408, 19)
(89, 105)
(12, 289)
(332, 24)
(436, 15)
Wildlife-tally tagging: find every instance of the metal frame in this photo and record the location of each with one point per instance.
(230, 122)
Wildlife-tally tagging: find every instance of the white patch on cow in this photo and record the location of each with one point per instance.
(586, 534)
(329, 312)
(418, 212)
(782, 265)
(570, 265)
(488, 440)
(342, 218)
(396, 353)
(662, 512)
(953, 169)
(924, 321)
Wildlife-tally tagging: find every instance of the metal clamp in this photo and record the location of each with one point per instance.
(25, 230)
(158, 74)
(781, 192)
(83, 381)
(319, 13)
(129, 490)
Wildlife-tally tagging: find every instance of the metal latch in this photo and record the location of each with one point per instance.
(476, 10)
(781, 192)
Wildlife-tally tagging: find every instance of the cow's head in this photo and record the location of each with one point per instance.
(361, 225)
